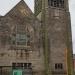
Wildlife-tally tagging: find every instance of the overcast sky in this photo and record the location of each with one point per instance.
(6, 5)
(72, 12)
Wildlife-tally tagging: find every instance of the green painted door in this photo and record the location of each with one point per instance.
(17, 72)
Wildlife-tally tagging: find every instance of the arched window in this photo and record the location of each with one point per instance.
(56, 3)
(22, 36)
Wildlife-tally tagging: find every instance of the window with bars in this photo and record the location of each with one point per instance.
(21, 65)
(58, 66)
(56, 3)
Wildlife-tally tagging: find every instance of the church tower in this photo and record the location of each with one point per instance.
(56, 36)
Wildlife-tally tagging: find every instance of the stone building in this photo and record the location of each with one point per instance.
(55, 18)
(39, 43)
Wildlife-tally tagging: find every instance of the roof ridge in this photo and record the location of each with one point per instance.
(20, 2)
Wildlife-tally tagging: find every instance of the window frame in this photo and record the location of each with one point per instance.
(56, 3)
(58, 66)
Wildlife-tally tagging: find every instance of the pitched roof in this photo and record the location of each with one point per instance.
(21, 10)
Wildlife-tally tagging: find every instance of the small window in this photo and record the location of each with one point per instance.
(27, 65)
(55, 66)
(59, 66)
(56, 3)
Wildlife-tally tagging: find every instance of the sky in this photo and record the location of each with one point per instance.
(6, 5)
(72, 12)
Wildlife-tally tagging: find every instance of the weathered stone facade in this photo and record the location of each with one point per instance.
(55, 18)
(18, 24)
(43, 41)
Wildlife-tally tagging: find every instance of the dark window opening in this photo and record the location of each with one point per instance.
(27, 65)
(56, 3)
(22, 65)
(59, 66)
(55, 66)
